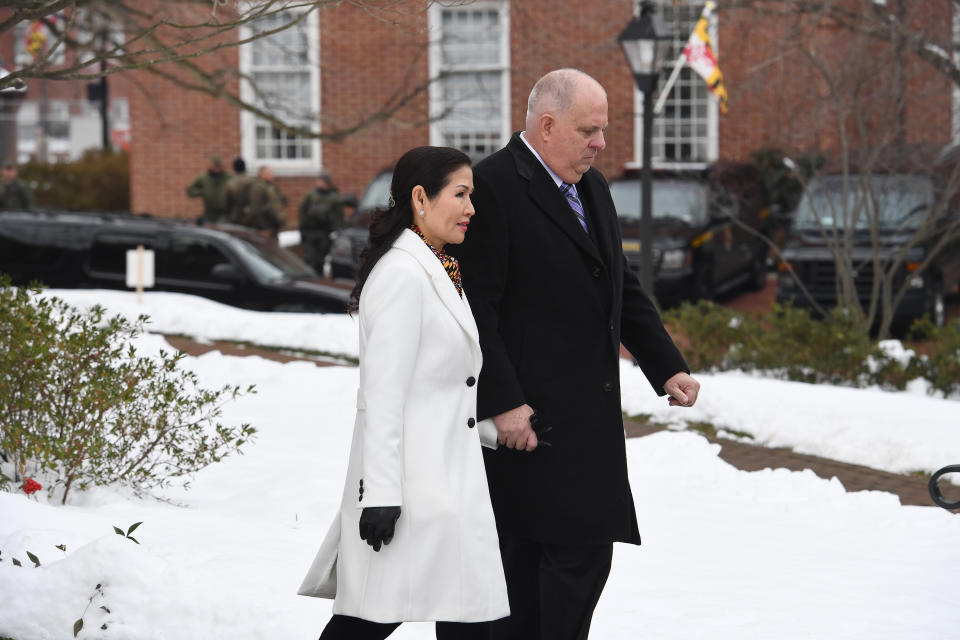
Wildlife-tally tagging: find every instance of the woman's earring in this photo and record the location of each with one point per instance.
(421, 211)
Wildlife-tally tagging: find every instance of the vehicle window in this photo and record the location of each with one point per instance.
(270, 263)
(377, 193)
(15, 252)
(191, 259)
(109, 253)
(895, 202)
(681, 200)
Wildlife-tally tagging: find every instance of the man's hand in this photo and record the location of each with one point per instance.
(682, 389)
(514, 429)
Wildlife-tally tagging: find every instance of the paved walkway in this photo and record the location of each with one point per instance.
(749, 457)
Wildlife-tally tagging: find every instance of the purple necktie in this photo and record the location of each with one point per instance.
(574, 201)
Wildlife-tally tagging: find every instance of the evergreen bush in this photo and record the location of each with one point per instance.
(790, 344)
(79, 405)
(98, 181)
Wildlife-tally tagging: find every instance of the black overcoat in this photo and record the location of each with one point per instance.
(552, 305)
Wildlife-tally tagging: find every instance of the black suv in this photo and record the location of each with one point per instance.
(352, 237)
(229, 264)
(889, 217)
(701, 247)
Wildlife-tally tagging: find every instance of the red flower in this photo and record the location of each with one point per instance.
(31, 486)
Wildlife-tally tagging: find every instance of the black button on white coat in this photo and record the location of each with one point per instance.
(471, 381)
(471, 422)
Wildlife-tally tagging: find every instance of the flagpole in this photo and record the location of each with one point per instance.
(668, 85)
(678, 65)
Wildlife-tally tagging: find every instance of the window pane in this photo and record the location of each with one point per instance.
(472, 42)
(681, 129)
(282, 73)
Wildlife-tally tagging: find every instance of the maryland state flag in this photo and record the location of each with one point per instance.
(36, 39)
(699, 54)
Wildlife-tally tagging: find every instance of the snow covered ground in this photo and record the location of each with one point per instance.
(726, 553)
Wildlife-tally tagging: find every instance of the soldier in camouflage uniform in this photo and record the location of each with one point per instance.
(237, 193)
(264, 209)
(13, 193)
(212, 186)
(321, 212)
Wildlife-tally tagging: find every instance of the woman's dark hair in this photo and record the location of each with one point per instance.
(429, 167)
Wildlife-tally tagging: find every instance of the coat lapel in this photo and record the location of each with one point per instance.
(544, 192)
(411, 243)
(601, 219)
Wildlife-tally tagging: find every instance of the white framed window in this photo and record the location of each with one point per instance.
(685, 132)
(282, 77)
(470, 68)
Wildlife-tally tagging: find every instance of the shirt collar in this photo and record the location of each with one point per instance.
(557, 179)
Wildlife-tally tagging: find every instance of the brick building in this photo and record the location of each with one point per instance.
(363, 79)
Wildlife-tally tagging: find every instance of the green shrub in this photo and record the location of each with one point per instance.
(940, 365)
(791, 344)
(78, 403)
(708, 332)
(98, 181)
(805, 349)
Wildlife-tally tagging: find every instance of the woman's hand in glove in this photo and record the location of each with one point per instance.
(377, 525)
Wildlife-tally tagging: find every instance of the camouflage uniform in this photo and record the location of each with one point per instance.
(265, 208)
(237, 198)
(321, 212)
(15, 195)
(212, 187)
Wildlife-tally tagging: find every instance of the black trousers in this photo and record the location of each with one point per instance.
(350, 628)
(553, 589)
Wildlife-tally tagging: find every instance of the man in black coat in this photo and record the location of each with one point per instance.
(544, 270)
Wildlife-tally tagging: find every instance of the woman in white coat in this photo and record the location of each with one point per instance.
(415, 537)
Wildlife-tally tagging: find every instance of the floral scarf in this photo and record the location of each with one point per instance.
(450, 264)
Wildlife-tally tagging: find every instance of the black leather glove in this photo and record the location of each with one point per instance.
(377, 525)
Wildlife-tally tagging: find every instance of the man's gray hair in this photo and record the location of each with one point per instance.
(555, 91)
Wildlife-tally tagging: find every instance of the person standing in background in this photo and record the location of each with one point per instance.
(14, 194)
(321, 213)
(211, 186)
(265, 208)
(237, 191)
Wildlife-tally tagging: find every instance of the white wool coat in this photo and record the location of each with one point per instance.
(416, 445)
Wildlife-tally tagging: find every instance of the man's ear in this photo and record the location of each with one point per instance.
(546, 125)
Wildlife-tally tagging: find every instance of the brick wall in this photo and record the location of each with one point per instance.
(367, 60)
(174, 133)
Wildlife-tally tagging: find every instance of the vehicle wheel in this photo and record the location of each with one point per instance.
(937, 307)
(758, 274)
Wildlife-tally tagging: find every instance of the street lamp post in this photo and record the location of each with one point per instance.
(645, 43)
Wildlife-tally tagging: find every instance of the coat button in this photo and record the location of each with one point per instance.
(360, 499)
(471, 422)
(596, 272)
(471, 381)
(608, 386)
